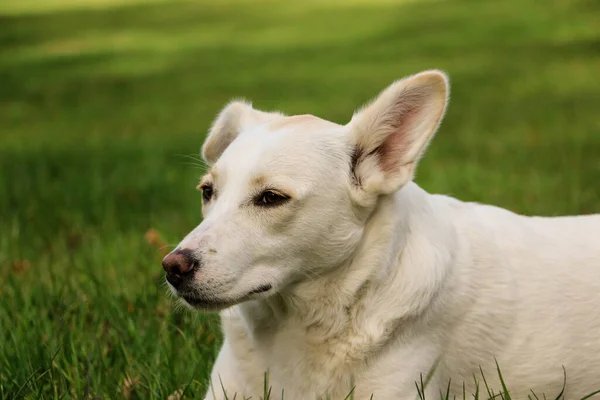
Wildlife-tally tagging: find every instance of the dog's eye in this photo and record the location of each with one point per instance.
(207, 192)
(271, 198)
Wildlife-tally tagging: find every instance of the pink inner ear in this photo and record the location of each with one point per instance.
(400, 121)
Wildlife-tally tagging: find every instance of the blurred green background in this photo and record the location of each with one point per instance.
(104, 105)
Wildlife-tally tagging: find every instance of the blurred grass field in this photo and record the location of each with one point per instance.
(102, 102)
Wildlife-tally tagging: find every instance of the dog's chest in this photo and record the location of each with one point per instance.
(309, 362)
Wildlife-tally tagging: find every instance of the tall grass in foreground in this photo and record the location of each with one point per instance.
(482, 391)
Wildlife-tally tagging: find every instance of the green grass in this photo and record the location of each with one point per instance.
(101, 101)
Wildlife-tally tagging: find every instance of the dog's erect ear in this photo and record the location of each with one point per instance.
(233, 118)
(391, 133)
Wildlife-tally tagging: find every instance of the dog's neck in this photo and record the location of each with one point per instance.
(397, 232)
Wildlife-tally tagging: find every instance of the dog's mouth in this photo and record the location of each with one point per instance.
(261, 289)
(215, 304)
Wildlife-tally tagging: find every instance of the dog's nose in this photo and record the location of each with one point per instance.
(178, 264)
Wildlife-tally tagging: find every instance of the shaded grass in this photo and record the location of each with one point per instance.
(99, 104)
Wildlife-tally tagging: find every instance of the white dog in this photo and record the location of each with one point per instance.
(334, 271)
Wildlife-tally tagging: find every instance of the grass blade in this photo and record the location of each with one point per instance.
(351, 394)
(590, 395)
(506, 394)
(562, 391)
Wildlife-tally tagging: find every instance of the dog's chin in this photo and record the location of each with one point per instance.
(207, 304)
(212, 303)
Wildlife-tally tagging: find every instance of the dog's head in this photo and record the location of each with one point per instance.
(286, 198)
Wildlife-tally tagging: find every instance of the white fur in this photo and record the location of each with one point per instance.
(374, 281)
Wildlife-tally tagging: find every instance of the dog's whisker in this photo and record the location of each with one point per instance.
(194, 157)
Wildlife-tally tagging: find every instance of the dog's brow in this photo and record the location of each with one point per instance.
(259, 180)
(212, 173)
(262, 182)
(206, 179)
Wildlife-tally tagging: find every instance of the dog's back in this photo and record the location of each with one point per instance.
(535, 304)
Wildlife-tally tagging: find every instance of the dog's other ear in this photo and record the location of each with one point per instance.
(232, 119)
(391, 133)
